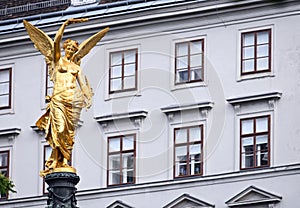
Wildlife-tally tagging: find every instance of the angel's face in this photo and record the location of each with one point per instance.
(70, 49)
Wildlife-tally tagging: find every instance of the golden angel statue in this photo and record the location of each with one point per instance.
(71, 92)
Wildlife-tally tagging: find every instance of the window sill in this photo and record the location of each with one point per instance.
(7, 111)
(125, 94)
(255, 76)
(188, 85)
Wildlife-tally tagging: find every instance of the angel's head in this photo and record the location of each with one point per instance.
(70, 47)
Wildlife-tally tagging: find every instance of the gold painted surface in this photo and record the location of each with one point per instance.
(71, 91)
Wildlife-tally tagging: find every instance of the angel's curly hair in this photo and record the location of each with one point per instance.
(69, 41)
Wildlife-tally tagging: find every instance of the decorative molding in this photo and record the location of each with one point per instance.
(254, 98)
(119, 204)
(135, 117)
(10, 132)
(172, 109)
(253, 195)
(186, 200)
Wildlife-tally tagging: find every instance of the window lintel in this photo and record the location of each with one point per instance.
(119, 116)
(180, 108)
(10, 131)
(254, 98)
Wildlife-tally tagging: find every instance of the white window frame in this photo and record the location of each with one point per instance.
(188, 124)
(105, 153)
(271, 73)
(126, 93)
(241, 116)
(172, 81)
(11, 109)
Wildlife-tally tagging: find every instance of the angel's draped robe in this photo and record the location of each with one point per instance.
(61, 118)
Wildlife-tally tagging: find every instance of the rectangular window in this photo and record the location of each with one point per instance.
(255, 142)
(256, 52)
(189, 61)
(4, 168)
(188, 151)
(5, 88)
(121, 160)
(49, 83)
(123, 71)
(47, 153)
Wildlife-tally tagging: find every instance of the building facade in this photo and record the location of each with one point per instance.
(195, 105)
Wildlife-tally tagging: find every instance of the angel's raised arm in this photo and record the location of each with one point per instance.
(59, 35)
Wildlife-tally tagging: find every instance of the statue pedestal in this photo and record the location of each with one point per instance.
(61, 190)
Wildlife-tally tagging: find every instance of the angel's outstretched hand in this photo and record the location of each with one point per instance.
(73, 20)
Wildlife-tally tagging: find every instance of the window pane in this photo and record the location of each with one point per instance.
(196, 60)
(196, 47)
(129, 56)
(262, 50)
(114, 162)
(129, 82)
(247, 160)
(182, 76)
(116, 71)
(247, 144)
(181, 153)
(248, 65)
(129, 70)
(114, 177)
(128, 176)
(262, 159)
(4, 172)
(196, 74)
(181, 136)
(262, 124)
(116, 58)
(128, 161)
(49, 91)
(4, 101)
(116, 84)
(128, 143)
(195, 134)
(3, 159)
(114, 145)
(4, 75)
(182, 49)
(248, 53)
(194, 150)
(4, 88)
(262, 37)
(181, 161)
(262, 142)
(182, 62)
(248, 39)
(247, 126)
(262, 64)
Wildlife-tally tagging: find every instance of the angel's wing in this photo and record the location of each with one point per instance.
(85, 47)
(41, 41)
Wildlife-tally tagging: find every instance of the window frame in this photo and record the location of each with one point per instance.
(47, 86)
(254, 135)
(110, 91)
(255, 71)
(8, 171)
(189, 42)
(9, 106)
(187, 144)
(120, 152)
